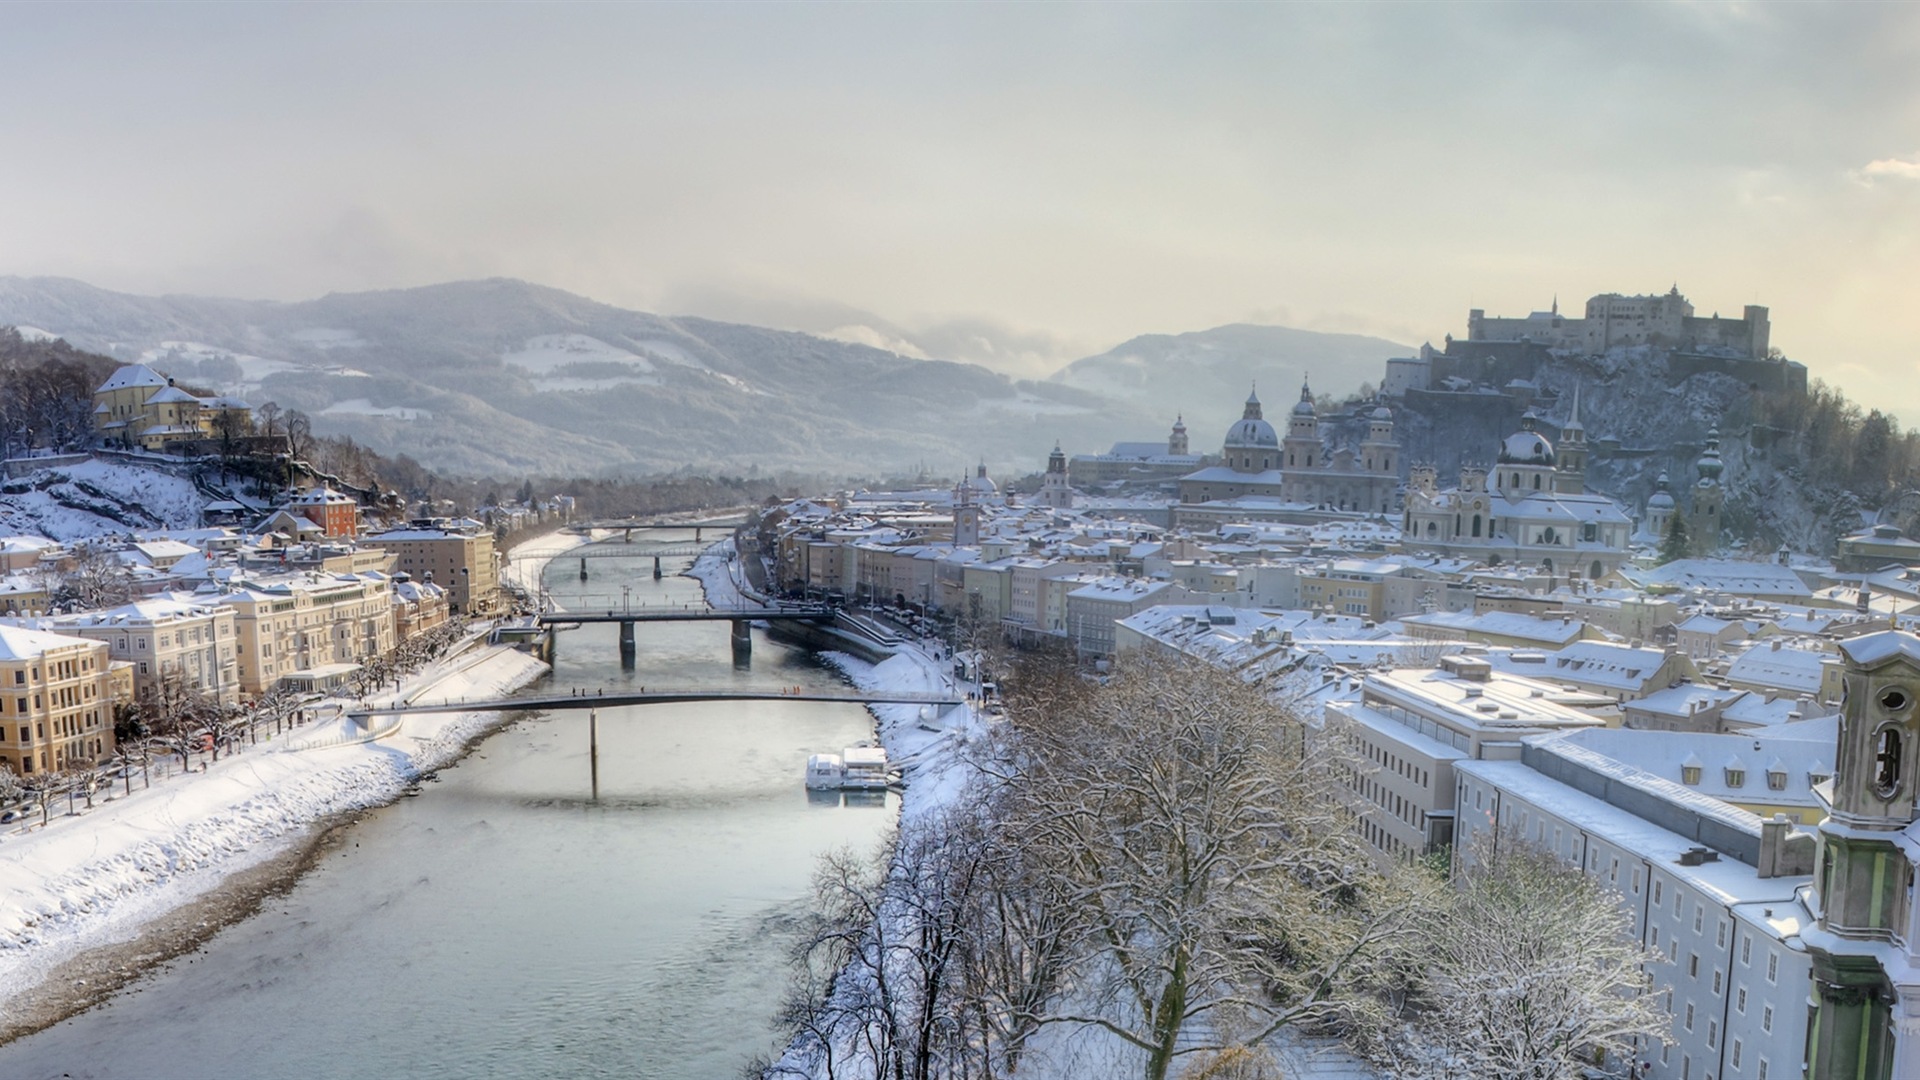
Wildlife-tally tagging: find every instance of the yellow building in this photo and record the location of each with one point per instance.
(138, 406)
(462, 563)
(56, 706)
(308, 622)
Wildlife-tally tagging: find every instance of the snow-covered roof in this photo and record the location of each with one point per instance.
(172, 395)
(1778, 665)
(1872, 650)
(20, 643)
(131, 376)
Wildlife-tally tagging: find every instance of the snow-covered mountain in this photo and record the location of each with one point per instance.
(1206, 370)
(506, 377)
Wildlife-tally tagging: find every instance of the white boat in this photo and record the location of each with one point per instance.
(866, 767)
(826, 771)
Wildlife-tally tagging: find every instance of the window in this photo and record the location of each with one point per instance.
(1776, 780)
(1746, 950)
(1736, 1053)
(1762, 1074)
(1766, 1019)
(1740, 1001)
(1713, 1034)
(1716, 984)
(1699, 916)
(1693, 965)
(1886, 762)
(1690, 774)
(1773, 966)
(1736, 778)
(1656, 892)
(1720, 934)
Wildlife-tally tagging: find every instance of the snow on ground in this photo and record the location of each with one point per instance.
(365, 407)
(59, 505)
(542, 355)
(528, 560)
(34, 333)
(95, 879)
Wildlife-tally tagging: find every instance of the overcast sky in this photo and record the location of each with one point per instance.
(1018, 184)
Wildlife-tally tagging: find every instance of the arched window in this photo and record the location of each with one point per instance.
(1594, 572)
(1432, 530)
(1476, 524)
(1536, 481)
(1887, 753)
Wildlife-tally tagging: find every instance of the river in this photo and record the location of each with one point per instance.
(503, 924)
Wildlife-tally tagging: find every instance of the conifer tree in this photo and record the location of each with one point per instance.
(1676, 544)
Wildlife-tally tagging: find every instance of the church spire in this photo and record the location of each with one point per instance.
(1253, 404)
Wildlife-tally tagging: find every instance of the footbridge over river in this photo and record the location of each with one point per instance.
(742, 619)
(661, 696)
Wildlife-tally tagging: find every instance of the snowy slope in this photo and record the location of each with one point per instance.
(97, 498)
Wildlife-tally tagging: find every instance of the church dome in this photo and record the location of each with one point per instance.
(1662, 498)
(1709, 466)
(1383, 413)
(980, 483)
(1252, 434)
(1526, 447)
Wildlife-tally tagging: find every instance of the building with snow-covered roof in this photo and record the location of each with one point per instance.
(1709, 886)
(463, 563)
(1413, 726)
(1094, 607)
(1796, 671)
(138, 406)
(299, 622)
(167, 637)
(56, 702)
(337, 515)
(1138, 463)
(1295, 478)
(1536, 512)
(1614, 670)
(1497, 628)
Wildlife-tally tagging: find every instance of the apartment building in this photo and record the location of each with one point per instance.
(463, 563)
(308, 622)
(164, 636)
(56, 704)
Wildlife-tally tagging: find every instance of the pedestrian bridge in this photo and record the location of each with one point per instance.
(662, 696)
(655, 613)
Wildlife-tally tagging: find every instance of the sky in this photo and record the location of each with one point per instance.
(1011, 184)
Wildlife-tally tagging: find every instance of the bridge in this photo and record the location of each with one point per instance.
(659, 697)
(633, 525)
(595, 702)
(611, 550)
(742, 619)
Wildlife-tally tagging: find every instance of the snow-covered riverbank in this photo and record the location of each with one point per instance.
(102, 877)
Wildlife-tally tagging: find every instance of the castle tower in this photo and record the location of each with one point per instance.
(1709, 499)
(1177, 442)
(1863, 899)
(1054, 492)
(1571, 479)
(966, 514)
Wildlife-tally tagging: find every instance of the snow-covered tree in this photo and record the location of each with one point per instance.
(1530, 974)
(97, 579)
(1213, 888)
(1676, 544)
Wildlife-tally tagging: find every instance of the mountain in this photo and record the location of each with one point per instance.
(505, 377)
(1203, 371)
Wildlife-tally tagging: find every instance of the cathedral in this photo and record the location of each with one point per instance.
(1531, 508)
(1298, 470)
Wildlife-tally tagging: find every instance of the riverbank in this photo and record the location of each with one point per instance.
(90, 902)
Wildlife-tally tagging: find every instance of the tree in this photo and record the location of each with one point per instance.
(97, 579)
(1530, 974)
(1676, 544)
(1214, 888)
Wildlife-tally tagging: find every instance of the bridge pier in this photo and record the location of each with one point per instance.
(583, 568)
(656, 568)
(742, 642)
(696, 534)
(628, 654)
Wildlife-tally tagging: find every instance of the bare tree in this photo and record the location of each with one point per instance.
(1214, 889)
(1529, 973)
(97, 579)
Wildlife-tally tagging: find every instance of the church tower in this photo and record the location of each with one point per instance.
(1863, 895)
(1054, 492)
(1572, 452)
(1659, 508)
(1709, 499)
(966, 515)
(1177, 442)
(1302, 448)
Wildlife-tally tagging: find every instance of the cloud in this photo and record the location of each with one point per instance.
(1893, 168)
